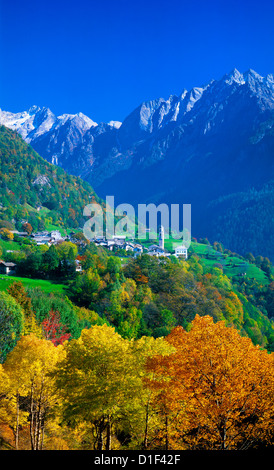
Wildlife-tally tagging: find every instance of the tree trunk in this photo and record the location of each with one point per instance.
(39, 418)
(31, 418)
(42, 431)
(108, 441)
(100, 440)
(17, 423)
(146, 427)
(35, 431)
(99, 426)
(166, 429)
(222, 431)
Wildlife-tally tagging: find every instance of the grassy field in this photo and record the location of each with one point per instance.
(47, 286)
(43, 212)
(232, 265)
(9, 245)
(249, 270)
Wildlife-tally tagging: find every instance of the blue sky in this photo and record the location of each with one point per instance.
(104, 58)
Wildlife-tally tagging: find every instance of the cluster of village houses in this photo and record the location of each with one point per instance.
(41, 238)
(117, 242)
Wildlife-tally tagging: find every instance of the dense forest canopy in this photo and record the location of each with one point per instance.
(33, 190)
(100, 366)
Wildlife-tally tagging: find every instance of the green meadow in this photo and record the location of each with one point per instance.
(232, 265)
(46, 286)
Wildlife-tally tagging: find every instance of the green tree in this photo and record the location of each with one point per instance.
(250, 258)
(11, 324)
(67, 265)
(266, 267)
(31, 265)
(85, 287)
(129, 325)
(17, 291)
(50, 260)
(114, 268)
(167, 321)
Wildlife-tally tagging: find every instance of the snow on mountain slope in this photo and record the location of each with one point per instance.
(41, 128)
(38, 121)
(151, 132)
(195, 147)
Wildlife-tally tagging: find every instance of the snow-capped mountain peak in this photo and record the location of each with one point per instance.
(115, 124)
(22, 122)
(34, 109)
(183, 94)
(252, 74)
(83, 147)
(79, 119)
(234, 77)
(37, 122)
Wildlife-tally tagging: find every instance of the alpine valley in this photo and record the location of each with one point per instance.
(211, 146)
(112, 344)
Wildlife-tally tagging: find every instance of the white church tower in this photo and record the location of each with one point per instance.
(162, 237)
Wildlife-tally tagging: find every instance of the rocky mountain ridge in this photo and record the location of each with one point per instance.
(208, 145)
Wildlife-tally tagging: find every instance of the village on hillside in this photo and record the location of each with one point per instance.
(118, 242)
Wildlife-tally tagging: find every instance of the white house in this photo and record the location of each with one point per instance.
(119, 238)
(44, 233)
(156, 250)
(56, 235)
(43, 240)
(138, 249)
(101, 242)
(110, 244)
(181, 251)
(128, 246)
(78, 266)
(7, 267)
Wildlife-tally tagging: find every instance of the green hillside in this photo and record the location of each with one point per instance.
(138, 296)
(44, 285)
(232, 264)
(33, 190)
(115, 310)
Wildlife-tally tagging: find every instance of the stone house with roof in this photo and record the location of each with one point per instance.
(7, 267)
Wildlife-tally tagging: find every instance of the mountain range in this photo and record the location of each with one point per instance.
(211, 146)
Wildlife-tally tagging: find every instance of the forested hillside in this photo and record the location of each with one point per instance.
(106, 355)
(95, 358)
(33, 190)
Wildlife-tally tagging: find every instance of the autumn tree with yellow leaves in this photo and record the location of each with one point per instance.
(94, 381)
(100, 382)
(215, 391)
(27, 369)
(206, 388)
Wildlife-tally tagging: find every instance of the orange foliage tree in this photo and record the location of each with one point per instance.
(215, 391)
